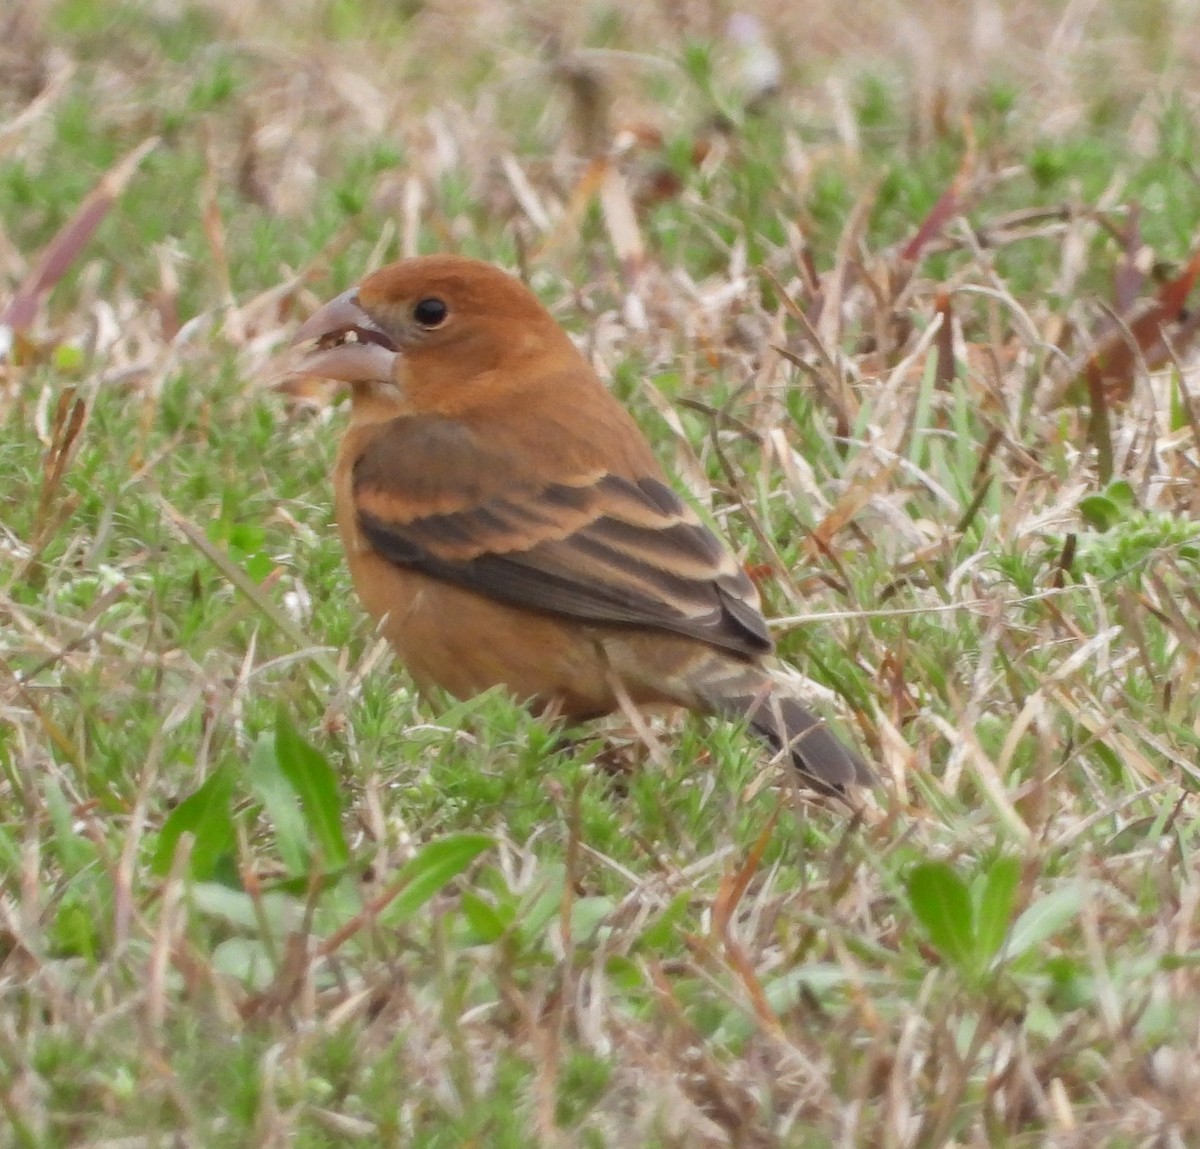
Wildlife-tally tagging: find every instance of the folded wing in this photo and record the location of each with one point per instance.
(600, 548)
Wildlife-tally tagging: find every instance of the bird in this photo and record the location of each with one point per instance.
(507, 524)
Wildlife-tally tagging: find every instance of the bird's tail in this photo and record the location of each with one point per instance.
(736, 689)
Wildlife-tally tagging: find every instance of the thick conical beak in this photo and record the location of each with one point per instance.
(350, 346)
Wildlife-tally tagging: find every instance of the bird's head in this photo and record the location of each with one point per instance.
(423, 333)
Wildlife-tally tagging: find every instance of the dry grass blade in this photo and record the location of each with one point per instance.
(1142, 338)
(834, 391)
(16, 127)
(729, 896)
(70, 416)
(1129, 275)
(1139, 338)
(945, 368)
(54, 732)
(837, 282)
(981, 482)
(847, 508)
(214, 232)
(70, 413)
(620, 218)
(734, 886)
(1099, 426)
(583, 194)
(949, 204)
(655, 947)
(65, 247)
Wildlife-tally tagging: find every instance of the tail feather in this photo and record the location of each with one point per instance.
(738, 690)
(825, 761)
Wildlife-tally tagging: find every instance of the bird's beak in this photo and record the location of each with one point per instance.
(349, 346)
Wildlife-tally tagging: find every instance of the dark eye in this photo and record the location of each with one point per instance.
(430, 312)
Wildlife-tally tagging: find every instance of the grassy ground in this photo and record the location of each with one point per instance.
(898, 323)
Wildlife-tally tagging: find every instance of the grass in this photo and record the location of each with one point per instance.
(256, 893)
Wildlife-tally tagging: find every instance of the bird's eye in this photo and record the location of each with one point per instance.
(430, 312)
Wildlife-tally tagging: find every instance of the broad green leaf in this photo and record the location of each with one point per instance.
(1107, 508)
(1122, 493)
(316, 785)
(208, 816)
(258, 566)
(942, 903)
(246, 959)
(236, 908)
(67, 358)
(74, 931)
(281, 804)
(542, 904)
(1045, 917)
(430, 870)
(993, 915)
(587, 914)
(1099, 511)
(487, 923)
(624, 972)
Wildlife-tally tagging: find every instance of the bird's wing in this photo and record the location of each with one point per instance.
(432, 496)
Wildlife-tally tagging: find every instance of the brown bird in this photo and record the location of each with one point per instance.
(505, 519)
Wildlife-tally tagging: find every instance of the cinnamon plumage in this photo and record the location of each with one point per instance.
(507, 523)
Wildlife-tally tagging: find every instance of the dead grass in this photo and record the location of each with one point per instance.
(910, 322)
